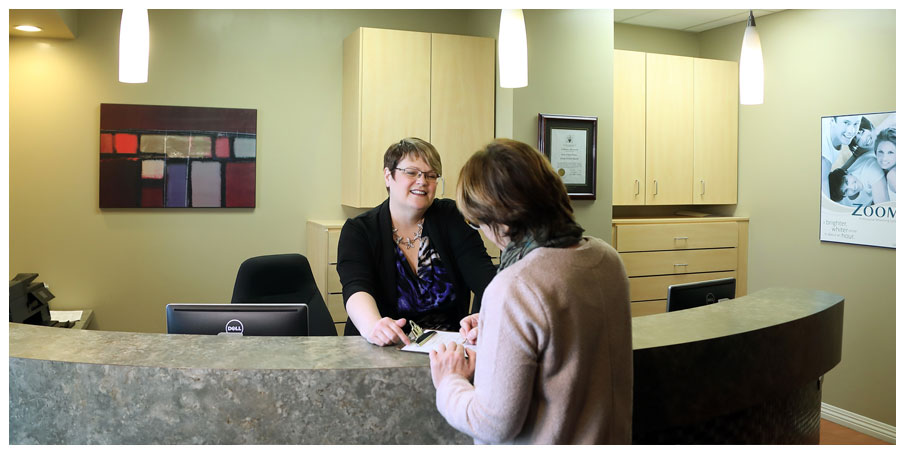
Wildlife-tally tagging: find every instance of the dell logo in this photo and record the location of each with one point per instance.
(234, 326)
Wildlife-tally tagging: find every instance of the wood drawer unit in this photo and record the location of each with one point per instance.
(660, 252)
(648, 307)
(663, 237)
(323, 239)
(684, 261)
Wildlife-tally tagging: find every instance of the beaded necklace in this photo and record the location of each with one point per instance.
(409, 242)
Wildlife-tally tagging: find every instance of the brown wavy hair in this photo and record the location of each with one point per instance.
(509, 183)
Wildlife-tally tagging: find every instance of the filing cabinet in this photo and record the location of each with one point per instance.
(323, 238)
(659, 252)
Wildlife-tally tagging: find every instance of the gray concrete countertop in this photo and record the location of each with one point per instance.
(203, 352)
(752, 312)
(98, 387)
(762, 309)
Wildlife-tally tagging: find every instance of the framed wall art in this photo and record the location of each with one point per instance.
(570, 143)
(177, 157)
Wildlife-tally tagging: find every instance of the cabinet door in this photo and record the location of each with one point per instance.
(462, 101)
(716, 131)
(395, 100)
(628, 127)
(670, 129)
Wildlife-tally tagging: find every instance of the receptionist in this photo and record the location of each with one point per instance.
(413, 257)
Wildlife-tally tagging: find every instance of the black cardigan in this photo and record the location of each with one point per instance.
(366, 260)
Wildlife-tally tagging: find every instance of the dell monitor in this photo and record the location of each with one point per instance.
(245, 319)
(696, 294)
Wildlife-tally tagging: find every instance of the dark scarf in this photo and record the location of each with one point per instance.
(514, 251)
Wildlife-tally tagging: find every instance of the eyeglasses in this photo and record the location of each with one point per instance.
(414, 174)
(472, 225)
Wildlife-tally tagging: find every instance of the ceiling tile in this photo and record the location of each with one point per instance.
(620, 15)
(690, 20)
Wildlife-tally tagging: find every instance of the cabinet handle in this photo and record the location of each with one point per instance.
(681, 238)
(679, 264)
(656, 188)
(702, 187)
(637, 187)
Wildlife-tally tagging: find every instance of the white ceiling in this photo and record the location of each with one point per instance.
(687, 20)
(55, 23)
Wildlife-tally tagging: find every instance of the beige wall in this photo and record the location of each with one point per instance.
(656, 40)
(570, 60)
(807, 58)
(128, 264)
(570, 72)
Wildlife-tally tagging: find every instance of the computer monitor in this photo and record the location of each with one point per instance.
(245, 319)
(695, 294)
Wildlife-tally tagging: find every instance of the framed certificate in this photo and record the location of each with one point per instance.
(570, 143)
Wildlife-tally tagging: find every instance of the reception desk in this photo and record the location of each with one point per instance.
(740, 371)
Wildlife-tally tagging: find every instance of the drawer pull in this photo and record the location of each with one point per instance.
(680, 264)
(681, 238)
(702, 188)
(637, 187)
(656, 187)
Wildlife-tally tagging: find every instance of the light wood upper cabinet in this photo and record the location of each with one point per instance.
(670, 129)
(462, 101)
(716, 131)
(685, 150)
(400, 84)
(629, 127)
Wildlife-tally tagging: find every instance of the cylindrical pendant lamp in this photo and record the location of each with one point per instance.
(513, 49)
(134, 46)
(751, 67)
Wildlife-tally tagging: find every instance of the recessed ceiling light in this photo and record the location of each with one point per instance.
(28, 28)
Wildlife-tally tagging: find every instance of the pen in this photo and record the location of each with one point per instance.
(422, 339)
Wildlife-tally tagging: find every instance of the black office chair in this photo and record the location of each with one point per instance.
(284, 278)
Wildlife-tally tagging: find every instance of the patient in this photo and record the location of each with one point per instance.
(554, 363)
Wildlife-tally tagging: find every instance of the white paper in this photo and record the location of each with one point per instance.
(568, 154)
(66, 316)
(442, 337)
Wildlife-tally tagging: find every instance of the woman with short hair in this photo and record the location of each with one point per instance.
(554, 357)
(412, 257)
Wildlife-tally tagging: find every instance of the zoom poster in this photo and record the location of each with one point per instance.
(858, 179)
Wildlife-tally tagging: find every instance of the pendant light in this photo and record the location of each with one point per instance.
(513, 49)
(751, 67)
(134, 44)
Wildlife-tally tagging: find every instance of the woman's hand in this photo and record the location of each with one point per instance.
(469, 329)
(388, 332)
(450, 359)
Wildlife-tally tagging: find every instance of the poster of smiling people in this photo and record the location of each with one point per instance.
(858, 179)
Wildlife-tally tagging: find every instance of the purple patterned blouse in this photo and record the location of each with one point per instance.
(430, 289)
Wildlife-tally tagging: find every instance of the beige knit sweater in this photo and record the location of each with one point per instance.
(555, 358)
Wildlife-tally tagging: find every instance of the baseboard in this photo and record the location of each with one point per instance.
(859, 423)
